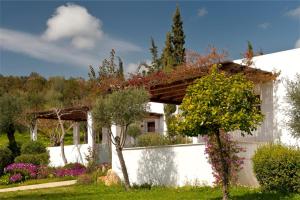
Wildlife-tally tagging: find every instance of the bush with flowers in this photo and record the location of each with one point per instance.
(72, 169)
(231, 150)
(18, 172)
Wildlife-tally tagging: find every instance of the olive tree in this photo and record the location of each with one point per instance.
(293, 96)
(11, 111)
(219, 103)
(121, 108)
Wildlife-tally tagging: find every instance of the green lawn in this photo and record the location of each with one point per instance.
(99, 192)
(24, 137)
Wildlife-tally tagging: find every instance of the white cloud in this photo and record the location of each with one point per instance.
(57, 52)
(297, 44)
(294, 12)
(201, 12)
(35, 47)
(73, 21)
(264, 25)
(71, 26)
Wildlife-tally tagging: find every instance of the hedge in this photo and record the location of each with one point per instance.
(277, 168)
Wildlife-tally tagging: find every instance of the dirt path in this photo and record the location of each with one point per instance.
(39, 186)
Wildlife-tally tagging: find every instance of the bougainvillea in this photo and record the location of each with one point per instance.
(27, 170)
(15, 178)
(230, 150)
(70, 170)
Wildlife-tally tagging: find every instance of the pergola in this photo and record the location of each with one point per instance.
(171, 92)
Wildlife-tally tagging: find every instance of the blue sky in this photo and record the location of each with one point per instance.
(64, 38)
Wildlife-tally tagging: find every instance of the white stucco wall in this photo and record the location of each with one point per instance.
(77, 153)
(177, 165)
(288, 64)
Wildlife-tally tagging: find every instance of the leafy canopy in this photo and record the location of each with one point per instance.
(122, 107)
(293, 95)
(218, 101)
(10, 113)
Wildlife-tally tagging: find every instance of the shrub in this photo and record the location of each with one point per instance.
(277, 168)
(157, 139)
(134, 131)
(33, 147)
(151, 139)
(5, 158)
(179, 139)
(231, 150)
(74, 166)
(85, 179)
(15, 178)
(45, 172)
(4, 180)
(72, 169)
(27, 170)
(37, 159)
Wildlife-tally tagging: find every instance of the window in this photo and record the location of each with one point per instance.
(150, 126)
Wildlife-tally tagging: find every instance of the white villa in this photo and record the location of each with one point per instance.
(187, 163)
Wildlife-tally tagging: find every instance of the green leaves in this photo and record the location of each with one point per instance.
(218, 101)
(122, 107)
(293, 95)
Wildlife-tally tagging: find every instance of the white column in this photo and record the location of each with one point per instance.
(90, 129)
(33, 132)
(165, 128)
(195, 140)
(76, 133)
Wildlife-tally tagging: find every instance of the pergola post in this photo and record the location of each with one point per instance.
(90, 139)
(33, 131)
(76, 133)
(165, 128)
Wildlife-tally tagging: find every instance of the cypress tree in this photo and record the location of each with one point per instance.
(121, 68)
(178, 39)
(250, 48)
(154, 52)
(167, 55)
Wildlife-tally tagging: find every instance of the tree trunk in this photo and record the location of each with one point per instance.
(12, 144)
(62, 138)
(11, 135)
(123, 166)
(225, 169)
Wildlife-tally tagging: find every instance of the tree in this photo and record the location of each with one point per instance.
(293, 96)
(169, 110)
(121, 108)
(145, 68)
(178, 38)
(56, 101)
(167, 58)
(10, 117)
(109, 74)
(154, 52)
(219, 103)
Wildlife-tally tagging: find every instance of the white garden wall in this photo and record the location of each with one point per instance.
(176, 165)
(77, 153)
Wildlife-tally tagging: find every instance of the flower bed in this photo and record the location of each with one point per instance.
(21, 171)
(18, 172)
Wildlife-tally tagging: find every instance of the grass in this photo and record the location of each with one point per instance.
(24, 137)
(37, 181)
(99, 192)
